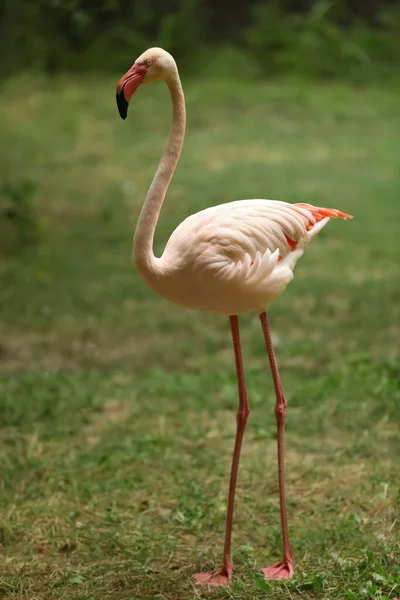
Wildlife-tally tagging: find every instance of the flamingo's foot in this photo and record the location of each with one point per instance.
(221, 577)
(283, 570)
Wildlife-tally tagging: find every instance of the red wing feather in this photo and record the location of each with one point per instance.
(320, 213)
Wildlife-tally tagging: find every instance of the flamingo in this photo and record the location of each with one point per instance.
(226, 260)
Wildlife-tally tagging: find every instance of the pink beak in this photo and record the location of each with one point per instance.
(127, 86)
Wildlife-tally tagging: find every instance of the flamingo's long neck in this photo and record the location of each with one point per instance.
(144, 259)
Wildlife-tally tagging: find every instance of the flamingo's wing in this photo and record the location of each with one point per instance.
(248, 238)
(252, 237)
(255, 226)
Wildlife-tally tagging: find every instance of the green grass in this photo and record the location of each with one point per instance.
(117, 408)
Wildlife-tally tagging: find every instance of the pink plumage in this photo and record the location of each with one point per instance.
(235, 257)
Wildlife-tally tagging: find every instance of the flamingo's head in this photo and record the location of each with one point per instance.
(152, 65)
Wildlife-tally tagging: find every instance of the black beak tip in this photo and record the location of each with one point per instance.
(122, 105)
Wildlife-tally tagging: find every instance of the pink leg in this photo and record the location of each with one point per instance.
(222, 576)
(284, 569)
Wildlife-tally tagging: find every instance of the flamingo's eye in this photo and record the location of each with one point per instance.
(149, 62)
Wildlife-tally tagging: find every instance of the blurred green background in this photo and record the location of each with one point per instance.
(116, 407)
(359, 39)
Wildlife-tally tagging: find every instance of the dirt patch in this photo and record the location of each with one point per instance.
(22, 351)
(113, 413)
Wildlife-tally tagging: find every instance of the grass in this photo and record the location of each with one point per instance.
(117, 408)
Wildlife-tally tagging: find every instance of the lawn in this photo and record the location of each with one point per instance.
(117, 408)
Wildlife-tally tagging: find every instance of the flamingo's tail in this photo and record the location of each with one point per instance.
(321, 213)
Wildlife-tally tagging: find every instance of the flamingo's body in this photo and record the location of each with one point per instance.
(236, 257)
(227, 260)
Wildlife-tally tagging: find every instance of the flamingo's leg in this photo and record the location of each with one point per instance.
(222, 576)
(284, 569)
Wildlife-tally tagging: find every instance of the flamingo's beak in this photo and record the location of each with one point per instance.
(127, 86)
